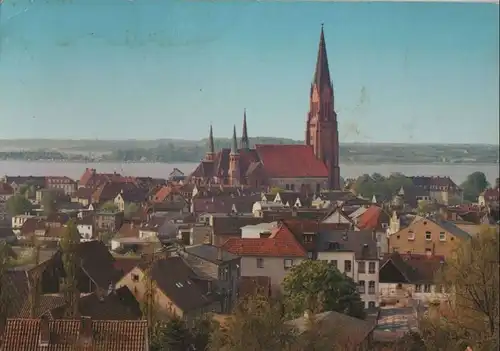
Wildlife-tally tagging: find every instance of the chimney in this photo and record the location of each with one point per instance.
(85, 334)
(44, 337)
(219, 254)
(111, 289)
(365, 250)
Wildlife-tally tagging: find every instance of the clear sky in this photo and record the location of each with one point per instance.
(147, 69)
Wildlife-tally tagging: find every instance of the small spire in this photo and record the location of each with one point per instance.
(211, 147)
(234, 146)
(322, 73)
(244, 144)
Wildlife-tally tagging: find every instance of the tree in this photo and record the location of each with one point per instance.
(130, 210)
(471, 276)
(18, 204)
(426, 207)
(69, 243)
(376, 184)
(474, 185)
(5, 260)
(109, 206)
(319, 286)
(201, 332)
(257, 324)
(274, 190)
(49, 203)
(172, 335)
(106, 237)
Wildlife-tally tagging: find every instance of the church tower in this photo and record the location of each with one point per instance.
(244, 143)
(321, 127)
(234, 162)
(210, 155)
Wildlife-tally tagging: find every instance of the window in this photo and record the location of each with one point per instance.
(292, 187)
(411, 235)
(371, 267)
(361, 267)
(428, 236)
(288, 263)
(371, 304)
(442, 236)
(334, 263)
(260, 263)
(347, 266)
(287, 187)
(308, 238)
(135, 277)
(418, 288)
(361, 287)
(427, 288)
(318, 188)
(371, 287)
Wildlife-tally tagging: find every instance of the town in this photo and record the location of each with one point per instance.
(260, 247)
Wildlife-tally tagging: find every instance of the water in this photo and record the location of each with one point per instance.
(161, 170)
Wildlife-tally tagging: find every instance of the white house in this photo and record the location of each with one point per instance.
(354, 253)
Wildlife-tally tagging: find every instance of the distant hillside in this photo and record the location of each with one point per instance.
(177, 150)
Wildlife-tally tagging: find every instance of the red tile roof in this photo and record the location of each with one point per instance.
(371, 218)
(282, 243)
(290, 161)
(23, 335)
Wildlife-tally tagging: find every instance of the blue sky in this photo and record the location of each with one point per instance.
(146, 69)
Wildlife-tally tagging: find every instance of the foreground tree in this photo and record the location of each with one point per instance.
(109, 206)
(69, 244)
(171, 335)
(474, 185)
(17, 205)
(471, 276)
(49, 203)
(130, 210)
(257, 324)
(319, 286)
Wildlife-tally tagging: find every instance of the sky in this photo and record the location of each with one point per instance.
(149, 69)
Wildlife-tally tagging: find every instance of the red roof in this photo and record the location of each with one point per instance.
(282, 243)
(161, 195)
(6, 189)
(290, 161)
(370, 219)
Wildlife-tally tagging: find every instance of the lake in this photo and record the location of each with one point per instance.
(161, 170)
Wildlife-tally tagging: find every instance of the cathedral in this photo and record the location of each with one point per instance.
(313, 166)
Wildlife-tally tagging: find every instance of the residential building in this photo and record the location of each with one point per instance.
(6, 192)
(65, 184)
(39, 334)
(221, 266)
(271, 256)
(178, 291)
(408, 277)
(430, 236)
(443, 190)
(489, 197)
(85, 227)
(310, 167)
(108, 221)
(355, 254)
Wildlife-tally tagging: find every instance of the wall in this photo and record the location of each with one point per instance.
(402, 242)
(390, 291)
(273, 268)
(85, 230)
(297, 183)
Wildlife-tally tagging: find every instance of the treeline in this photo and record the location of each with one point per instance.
(41, 155)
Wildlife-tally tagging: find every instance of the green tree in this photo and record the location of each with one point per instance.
(474, 185)
(376, 184)
(201, 332)
(171, 335)
(109, 206)
(69, 244)
(130, 210)
(5, 261)
(426, 207)
(17, 205)
(319, 286)
(49, 203)
(257, 324)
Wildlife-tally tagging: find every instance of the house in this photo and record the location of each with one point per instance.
(489, 197)
(130, 195)
(411, 195)
(354, 253)
(224, 204)
(109, 190)
(271, 256)
(85, 227)
(225, 226)
(337, 216)
(406, 277)
(178, 290)
(429, 236)
(54, 193)
(221, 266)
(352, 334)
(375, 218)
(6, 192)
(176, 175)
(134, 238)
(328, 199)
(18, 221)
(64, 184)
(17, 182)
(443, 190)
(84, 334)
(108, 221)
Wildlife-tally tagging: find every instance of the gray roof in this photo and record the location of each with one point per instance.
(451, 228)
(362, 243)
(209, 253)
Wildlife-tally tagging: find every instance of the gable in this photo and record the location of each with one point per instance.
(389, 273)
(337, 217)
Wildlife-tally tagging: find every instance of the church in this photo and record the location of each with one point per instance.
(313, 166)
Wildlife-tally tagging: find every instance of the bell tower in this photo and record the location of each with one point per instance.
(321, 127)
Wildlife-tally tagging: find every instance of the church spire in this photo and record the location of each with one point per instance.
(234, 145)
(322, 73)
(244, 144)
(211, 149)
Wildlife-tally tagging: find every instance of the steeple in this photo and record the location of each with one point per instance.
(245, 143)
(210, 155)
(234, 145)
(322, 73)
